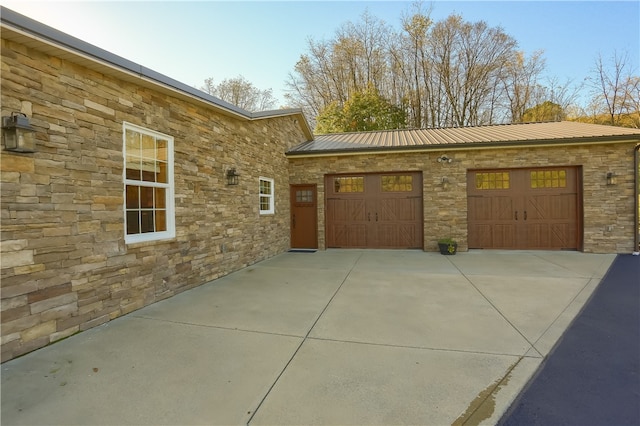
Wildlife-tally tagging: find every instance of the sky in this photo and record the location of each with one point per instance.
(191, 41)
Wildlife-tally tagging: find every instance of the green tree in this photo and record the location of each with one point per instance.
(363, 111)
(330, 120)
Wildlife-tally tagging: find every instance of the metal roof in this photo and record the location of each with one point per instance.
(34, 34)
(562, 132)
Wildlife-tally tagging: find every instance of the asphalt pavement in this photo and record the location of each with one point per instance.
(592, 376)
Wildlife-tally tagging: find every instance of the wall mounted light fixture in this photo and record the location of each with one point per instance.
(233, 178)
(445, 182)
(444, 159)
(17, 133)
(611, 178)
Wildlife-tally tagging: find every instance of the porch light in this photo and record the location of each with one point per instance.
(233, 178)
(445, 182)
(444, 159)
(17, 133)
(611, 178)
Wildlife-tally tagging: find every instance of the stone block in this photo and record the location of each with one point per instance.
(98, 107)
(29, 269)
(15, 163)
(53, 302)
(73, 321)
(63, 334)
(17, 258)
(13, 302)
(13, 245)
(94, 322)
(39, 331)
(49, 292)
(60, 312)
(20, 324)
(14, 313)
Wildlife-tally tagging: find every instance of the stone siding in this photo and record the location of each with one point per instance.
(65, 265)
(608, 211)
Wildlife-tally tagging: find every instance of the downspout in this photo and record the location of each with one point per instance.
(636, 173)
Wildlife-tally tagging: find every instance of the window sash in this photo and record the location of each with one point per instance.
(148, 185)
(266, 196)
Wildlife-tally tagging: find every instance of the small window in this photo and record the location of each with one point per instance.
(349, 184)
(548, 179)
(397, 183)
(267, 204)
(304, 196)
(148, 185)
(492, 180)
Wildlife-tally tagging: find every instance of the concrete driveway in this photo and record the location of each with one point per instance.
(332, 337)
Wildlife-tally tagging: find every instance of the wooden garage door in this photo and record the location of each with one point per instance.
(374, 210)
(524, 208)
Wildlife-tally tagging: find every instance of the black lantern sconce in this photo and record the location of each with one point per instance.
(17, 133)
(611, 178)
(233, 178)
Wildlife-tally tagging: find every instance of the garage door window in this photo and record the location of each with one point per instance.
(397, 183)
(349, 184)
(548, 179)
(493, 180)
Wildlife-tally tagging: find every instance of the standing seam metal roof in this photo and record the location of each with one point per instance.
(502, 135)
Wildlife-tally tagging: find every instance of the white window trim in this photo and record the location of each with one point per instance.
(271, 196)
(170, 194)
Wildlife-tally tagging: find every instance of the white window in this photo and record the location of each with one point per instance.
(148, 185)
(267, 205)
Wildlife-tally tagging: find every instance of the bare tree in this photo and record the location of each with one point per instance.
(469, 59)
(633, 87)
(612, 85)
(520, 79)
(447, 73)
(417, 65)
(241, 93)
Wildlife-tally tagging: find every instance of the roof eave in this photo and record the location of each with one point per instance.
(27, 27)
(302, 121)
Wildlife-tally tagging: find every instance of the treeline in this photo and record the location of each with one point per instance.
(426, 74)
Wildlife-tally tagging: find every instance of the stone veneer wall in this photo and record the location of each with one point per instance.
(445, 209)
(65, 266)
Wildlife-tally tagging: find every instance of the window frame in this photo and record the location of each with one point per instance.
(170, 232)
(271, 197)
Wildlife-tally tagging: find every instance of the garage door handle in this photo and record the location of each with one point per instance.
(294, 221)
(516, 215)
(525, 215)
(376, 217)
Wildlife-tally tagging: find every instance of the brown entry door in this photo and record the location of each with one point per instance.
(304, 222)
(374, 210)
(524, 208)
